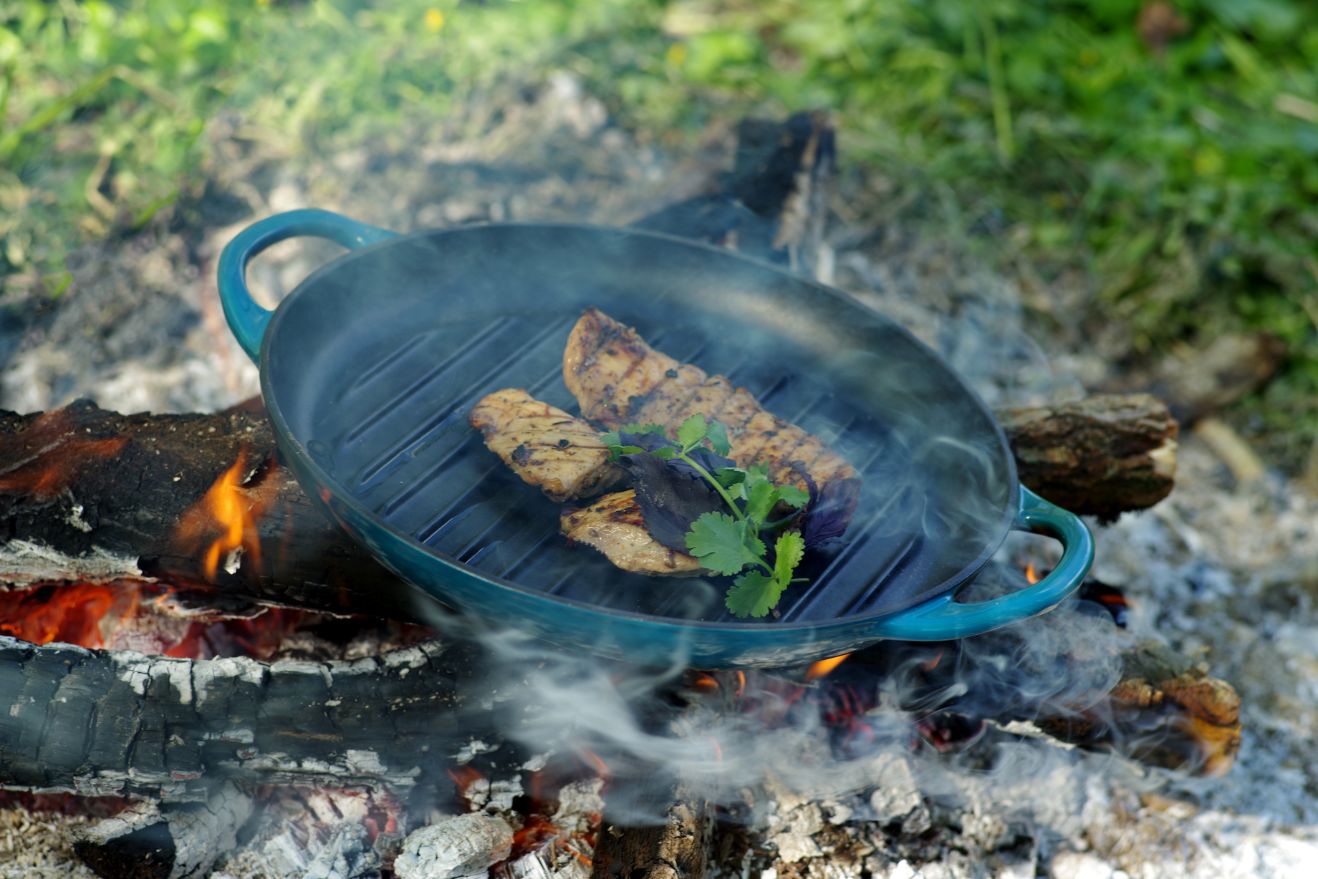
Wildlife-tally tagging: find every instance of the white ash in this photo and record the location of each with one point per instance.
(308, 835)
(579, 805)
(24, 563)
(455, 846)
(39, 845)
(495, 796)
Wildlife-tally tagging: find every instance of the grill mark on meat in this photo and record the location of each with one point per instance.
(614, 525)
(661, 390)
(563, 456)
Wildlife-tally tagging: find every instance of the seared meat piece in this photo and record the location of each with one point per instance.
(618, 379)
(613, 525)
(547, 447)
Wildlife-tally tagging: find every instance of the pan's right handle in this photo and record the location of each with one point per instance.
(942, 618)
(246, 318)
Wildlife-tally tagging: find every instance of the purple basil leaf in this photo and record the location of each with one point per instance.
(829, 511)
(671, 496)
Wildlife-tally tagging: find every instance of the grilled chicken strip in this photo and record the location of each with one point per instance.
(613, 525)
(545, 446)
(619, 379)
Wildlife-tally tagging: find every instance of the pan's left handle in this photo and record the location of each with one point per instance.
(246, 318)
(942, 618)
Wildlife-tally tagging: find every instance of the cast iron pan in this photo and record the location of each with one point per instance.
(370, 367)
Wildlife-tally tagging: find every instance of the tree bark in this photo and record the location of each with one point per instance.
(1100, 456)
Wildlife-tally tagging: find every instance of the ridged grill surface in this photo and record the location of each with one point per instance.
(396, 438)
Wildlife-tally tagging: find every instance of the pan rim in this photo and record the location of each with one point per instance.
(295, 446)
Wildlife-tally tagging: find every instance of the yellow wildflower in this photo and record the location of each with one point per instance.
(434, 20)
(676, 55)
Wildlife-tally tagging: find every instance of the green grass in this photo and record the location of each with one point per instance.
(1183, 181)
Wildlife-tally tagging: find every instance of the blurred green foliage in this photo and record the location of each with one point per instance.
(1166, 152)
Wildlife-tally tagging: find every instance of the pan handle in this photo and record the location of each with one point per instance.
(246, 318)
(942, 618)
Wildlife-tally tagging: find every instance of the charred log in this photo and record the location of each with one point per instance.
(108, 723)
(87, 494)
(97, 496)
(1100, 456)
(771, 205)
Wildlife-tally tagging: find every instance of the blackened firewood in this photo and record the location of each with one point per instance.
(1099, 456)
(94, 495)
(675, 847)
(772, 204)
(115, 723)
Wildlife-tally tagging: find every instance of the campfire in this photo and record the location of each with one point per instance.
(214, 679)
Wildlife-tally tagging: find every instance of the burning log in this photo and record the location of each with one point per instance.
(95, 496)
(1100, 456)
(117, 723)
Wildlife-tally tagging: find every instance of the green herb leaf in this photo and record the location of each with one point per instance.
(787, 554)
(611, 439)
(793, 496)
(665, 453)
(730, 476)
(692, 431)
(717, 434)
(753, 594)
(760, 498)
(644, 428)
(720, 543)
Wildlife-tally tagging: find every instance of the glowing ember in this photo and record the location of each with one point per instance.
(1031, 573)
(824, 666)
(78, 613)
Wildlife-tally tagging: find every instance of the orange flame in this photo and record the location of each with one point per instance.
(1031, 573)
(824, 666)
(224, 520)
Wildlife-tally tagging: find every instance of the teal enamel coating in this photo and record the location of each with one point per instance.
(634, 636)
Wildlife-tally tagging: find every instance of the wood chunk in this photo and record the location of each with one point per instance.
(1099, 456)
(455, 846)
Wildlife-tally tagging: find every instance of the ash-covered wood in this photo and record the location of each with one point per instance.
(455, 846)
(1100, 456)
(109, 723)
(311, 834)
(676, 848)
(146, 841)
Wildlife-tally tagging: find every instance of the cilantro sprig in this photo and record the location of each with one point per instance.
(728, 541)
